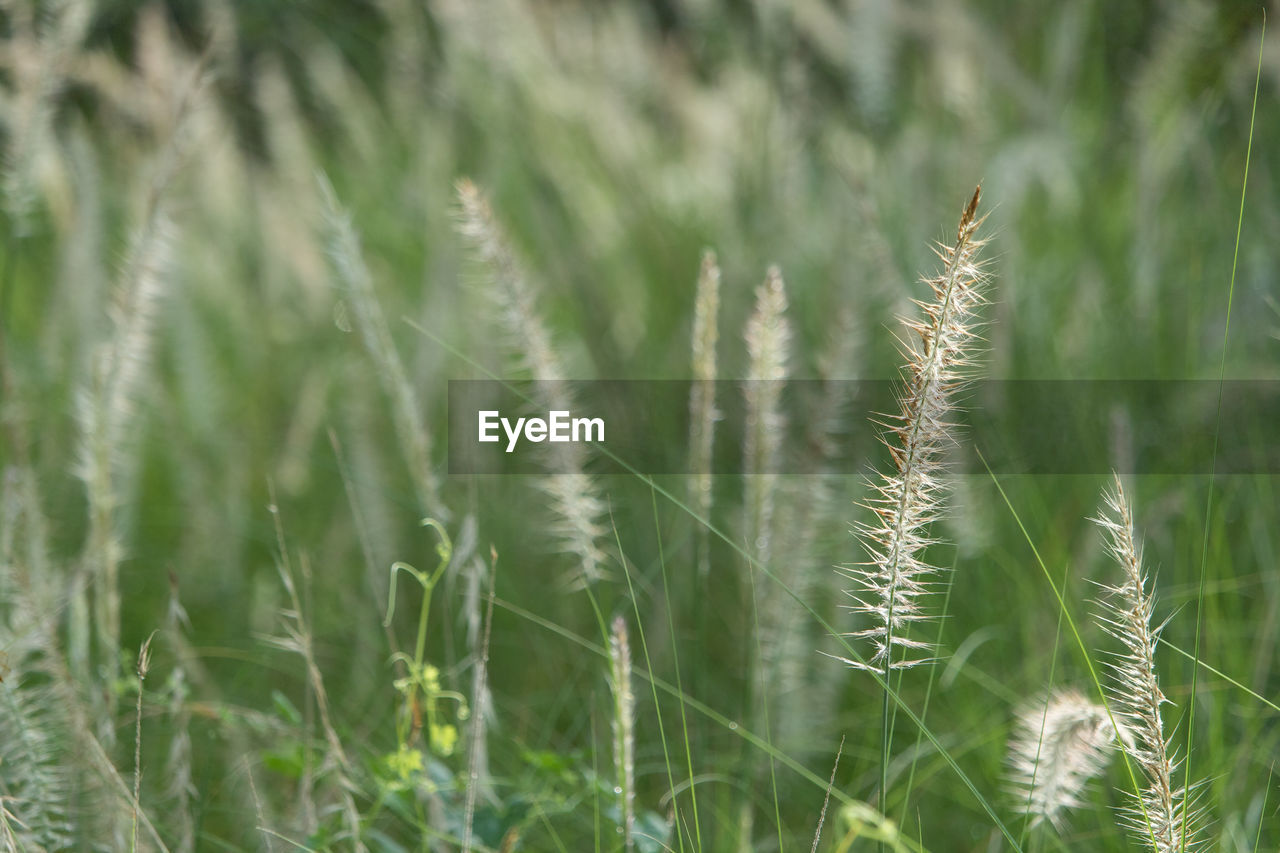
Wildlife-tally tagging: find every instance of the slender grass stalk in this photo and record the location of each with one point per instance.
(106, 411)
(110, 776)
(1164, 816)
(696, 838)
(595, 789)
(357, 286)
(1222, 372)
(826, 799)
(107, 401)
(476, 757)
(575, 497)
(702, 399)
(1257, 841)
(768, 339)
(928, 695)
(144, 666)
(262, 827)
(181, 789)
(624, 739)
(299, 640)
(702, 421)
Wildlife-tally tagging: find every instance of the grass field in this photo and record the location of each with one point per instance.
(245, 605)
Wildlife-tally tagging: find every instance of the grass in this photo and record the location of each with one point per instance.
(241, 262)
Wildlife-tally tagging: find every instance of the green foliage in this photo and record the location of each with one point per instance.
(420, 685)
(615, 142)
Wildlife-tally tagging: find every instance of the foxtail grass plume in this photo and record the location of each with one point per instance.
(1059, 745)
(574, 495)
(624, 738)
(1162, 816)
(343, 244)
(106, 411)
(42, 42)
(702, 397)
(768, 337)
(891, 584)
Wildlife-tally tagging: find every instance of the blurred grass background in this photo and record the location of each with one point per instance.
(615, 142)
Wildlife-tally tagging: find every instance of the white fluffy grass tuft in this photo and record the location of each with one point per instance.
(1059, 745)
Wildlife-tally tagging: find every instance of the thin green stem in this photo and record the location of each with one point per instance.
(1220, 674)
(764, 706)
(644, 649)
(675, 656)
(1217, 427)
(1262, 812)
